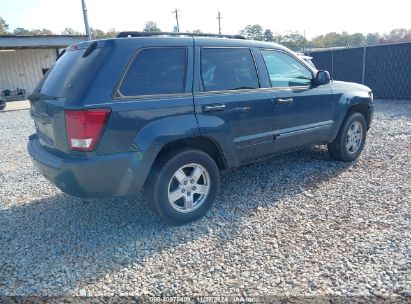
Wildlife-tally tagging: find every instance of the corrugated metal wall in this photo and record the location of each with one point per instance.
(23, 68)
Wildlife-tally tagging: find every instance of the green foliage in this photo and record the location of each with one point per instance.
(111, 33)
(294, 41)
(372, 38)
(40, 32)
(297, 42)
(268, 35)
(253, 32)
(33, 32)
(151, 26)
(333, 39)
(70, 31)
(3, 27)
(96, 33)
(21, 31)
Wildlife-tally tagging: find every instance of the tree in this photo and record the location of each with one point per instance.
(372, 38)
(268, 35)
(21, 32)
(357, 40)
(111, 33)
(334, 39)
(40, 32)
(151, 26)
(97, 33)
(294, 41)
(3, 27)
(253, 32)
(70, 32)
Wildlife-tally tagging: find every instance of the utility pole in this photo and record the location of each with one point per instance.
(178, 25)
(219, 22)
(83, 3)
(304, 42)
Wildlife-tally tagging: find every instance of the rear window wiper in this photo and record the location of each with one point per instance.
(40, 96)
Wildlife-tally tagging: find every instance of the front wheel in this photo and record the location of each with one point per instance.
(183, 186)
(349, 143)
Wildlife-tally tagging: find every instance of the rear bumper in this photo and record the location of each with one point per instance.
(99, 176)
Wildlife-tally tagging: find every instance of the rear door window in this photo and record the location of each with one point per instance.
(156, 71)
(228, 69)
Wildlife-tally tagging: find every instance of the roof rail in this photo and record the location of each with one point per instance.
(149, 34)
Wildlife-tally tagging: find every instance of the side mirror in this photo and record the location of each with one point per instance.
(322, 77)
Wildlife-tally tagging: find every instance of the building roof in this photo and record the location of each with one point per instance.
(39, 42)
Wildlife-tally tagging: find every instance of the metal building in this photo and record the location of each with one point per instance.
(24, 59)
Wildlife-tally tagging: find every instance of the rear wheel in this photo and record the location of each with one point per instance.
(350, 140)
(183, 186)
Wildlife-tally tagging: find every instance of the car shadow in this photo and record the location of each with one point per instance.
(66, 241)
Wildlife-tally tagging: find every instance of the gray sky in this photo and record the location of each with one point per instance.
(315, 17)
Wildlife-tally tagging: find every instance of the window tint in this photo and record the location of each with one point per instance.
(228, 69)
(155, 71)
(285, 71)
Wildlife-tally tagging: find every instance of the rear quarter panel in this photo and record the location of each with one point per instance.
(145, 122)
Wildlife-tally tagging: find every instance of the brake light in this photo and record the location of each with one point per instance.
(73, 47)
(84, 127)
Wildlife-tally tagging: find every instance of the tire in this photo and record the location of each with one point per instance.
(177, 191)
(350, 140)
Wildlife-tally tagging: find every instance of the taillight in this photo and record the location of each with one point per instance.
(84, 127)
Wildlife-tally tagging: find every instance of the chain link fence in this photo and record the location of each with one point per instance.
(386, 69)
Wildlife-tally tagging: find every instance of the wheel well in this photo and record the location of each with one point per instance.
(201, 143)
(363, 109)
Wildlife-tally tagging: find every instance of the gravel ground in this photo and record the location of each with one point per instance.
(297, 224)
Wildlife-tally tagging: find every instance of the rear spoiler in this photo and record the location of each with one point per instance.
(90, 46)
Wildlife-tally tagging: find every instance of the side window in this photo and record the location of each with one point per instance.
(156, 71)
(228, 69)
(284, 70)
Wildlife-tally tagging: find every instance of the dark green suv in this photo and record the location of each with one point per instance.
(168, 114)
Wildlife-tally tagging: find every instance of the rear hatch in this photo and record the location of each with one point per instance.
(62, 87)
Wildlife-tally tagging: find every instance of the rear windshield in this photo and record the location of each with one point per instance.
(67, 74)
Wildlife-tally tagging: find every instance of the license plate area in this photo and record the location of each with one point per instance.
(45, 133)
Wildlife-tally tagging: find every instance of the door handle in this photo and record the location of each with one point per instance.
(214, 108)
(284, 101)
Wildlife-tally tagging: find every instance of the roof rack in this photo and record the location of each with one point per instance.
(149, 34)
